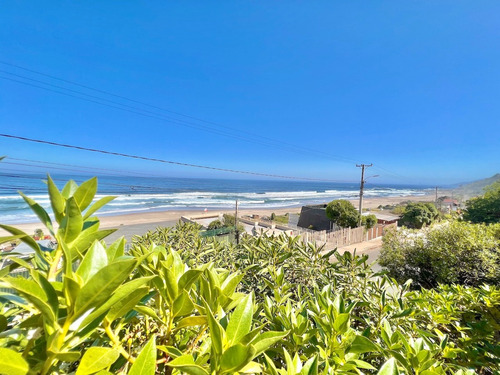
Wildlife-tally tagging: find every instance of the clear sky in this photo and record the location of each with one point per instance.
(411, 86)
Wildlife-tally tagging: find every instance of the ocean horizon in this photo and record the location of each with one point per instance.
(147, 194)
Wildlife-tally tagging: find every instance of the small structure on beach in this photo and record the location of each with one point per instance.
(383, 218)
(314, 217)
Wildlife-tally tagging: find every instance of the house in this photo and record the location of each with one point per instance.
(449, 204)
(383, 218)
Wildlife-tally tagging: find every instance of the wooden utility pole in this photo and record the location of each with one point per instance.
(236, 224)
(361, 187)
(436, 195)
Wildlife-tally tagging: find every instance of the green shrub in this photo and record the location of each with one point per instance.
(177, 303)
(451, 252)
(216, 224)
(485, 209)
(417, 215)
(369, 221)
(342, 213)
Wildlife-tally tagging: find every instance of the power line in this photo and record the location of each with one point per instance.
(139, 111)
(162, 109)
(294, 148)
(139, 157)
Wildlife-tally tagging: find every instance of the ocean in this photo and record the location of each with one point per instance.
(144, 194)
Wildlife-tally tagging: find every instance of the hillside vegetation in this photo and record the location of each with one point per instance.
(177, 303)
(476, 188)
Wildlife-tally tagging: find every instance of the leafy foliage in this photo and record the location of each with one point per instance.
(451, 252)
(417, 215)
(485, 209)
(342, 213)
(181, 304)
(368, 221)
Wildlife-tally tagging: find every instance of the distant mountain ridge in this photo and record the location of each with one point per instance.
(475, 188)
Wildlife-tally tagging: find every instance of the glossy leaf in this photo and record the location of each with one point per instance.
(240, 321)
(362, 344)
(72, 223)
(186, 364)
(95, 259)
(265, 340)
(57, 201)
(39, 211)
(236, 357)
(97, 205)
(145, 363)
(389, 368)
(85, 193)
(12, 363)
(27, 239)
(100, 286)
(96, 359)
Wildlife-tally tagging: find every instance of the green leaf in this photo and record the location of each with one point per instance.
(240, 321)
(216, 331)
(389, 368)
(67, 356)
(69, 189)
(122, 292)
(145, 364)
(116, 249)
(236, 357)
(310, 367)
(100, 286)
(28, 240)
(85, 193)
(72, 223)
(85, 239)
(10, 238)
(96, 359)
(95, 259)
(171, 285)
(229, 285)
(265, 340)
(362, 345)
(188, 278)
(12, 363)
(191, 321)
(186, 364)
(127, 303)
(39, 211)
(182, 305)
(57, 201)
(97, 205)
(341, 323)
(30, 290)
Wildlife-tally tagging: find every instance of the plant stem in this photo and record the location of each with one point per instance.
(116, 342)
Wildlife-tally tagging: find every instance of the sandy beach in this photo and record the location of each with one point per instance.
(138, 223)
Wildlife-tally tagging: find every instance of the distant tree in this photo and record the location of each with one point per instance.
(216, 224)
(369, 221)
(39, 233)
(342, 213)
(485, 209)
(417, 215)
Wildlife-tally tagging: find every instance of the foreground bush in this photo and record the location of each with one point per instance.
(451, 252)
(180, 304)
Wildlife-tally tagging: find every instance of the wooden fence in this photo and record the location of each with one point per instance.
(344, 236)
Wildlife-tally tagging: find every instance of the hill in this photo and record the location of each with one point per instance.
(475, 188)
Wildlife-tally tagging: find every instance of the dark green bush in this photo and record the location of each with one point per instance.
(451, 252)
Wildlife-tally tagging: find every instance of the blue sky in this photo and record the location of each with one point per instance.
(411, 86)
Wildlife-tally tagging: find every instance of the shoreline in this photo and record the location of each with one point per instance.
(139, 223)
